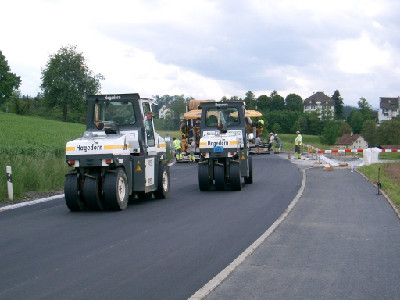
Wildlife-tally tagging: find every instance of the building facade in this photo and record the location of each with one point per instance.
(388, 109)
(322, 104)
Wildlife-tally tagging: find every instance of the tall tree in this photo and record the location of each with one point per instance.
(365, 109)
(263, 102)
(356, 120)
(277, 103)
(339, 111)
(250, 100)
(294, 102)
(9, 82)
(368, 131)
(66, 80)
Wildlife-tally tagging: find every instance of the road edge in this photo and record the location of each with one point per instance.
(221, 276)
(33, 202)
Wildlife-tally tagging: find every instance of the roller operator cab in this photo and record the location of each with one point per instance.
(224, 147)
(119, 156)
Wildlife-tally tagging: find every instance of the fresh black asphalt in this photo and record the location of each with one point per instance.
(156, 249)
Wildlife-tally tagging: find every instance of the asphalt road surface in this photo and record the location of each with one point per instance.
(156, 249)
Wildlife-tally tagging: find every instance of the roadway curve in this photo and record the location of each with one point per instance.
(156, 249)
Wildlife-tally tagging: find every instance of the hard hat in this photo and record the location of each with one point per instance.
(271, 133)
(297, 131)
(276, 134)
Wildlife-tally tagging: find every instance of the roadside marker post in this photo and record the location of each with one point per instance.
(9, 183)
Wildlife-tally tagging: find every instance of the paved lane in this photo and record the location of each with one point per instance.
(164, 249)
(341, 241)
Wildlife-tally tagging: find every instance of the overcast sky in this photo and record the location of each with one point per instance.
(210, 49)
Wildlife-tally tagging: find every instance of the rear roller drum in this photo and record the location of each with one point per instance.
(249, 179)
(116, 190)
(72, 193)
(219, 176)
(204, 177)
(162, 191)
(92, 191)
(235, 177)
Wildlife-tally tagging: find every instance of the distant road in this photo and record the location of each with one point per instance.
(157, 249)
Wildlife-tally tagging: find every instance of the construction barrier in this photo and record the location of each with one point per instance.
(354, 150)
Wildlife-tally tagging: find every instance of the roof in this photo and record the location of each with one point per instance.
(347, 139)
(319, 97)
(389, 103)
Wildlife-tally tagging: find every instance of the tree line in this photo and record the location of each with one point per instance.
(66, 79)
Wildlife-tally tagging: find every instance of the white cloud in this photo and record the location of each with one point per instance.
(360, 56)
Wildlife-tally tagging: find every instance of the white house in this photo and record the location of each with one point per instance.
(352, 141)
(388, 109)
(163, 110)
(320, 103)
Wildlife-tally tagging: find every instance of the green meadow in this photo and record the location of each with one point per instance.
(35, 150)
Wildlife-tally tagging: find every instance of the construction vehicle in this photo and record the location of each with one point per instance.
(119, 156)
(190, 129)
(224, 147)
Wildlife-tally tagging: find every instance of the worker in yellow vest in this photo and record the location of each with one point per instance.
(297, 143)
(178, 148)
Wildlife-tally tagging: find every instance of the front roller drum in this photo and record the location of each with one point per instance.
(115, 190)
(204, 177)
(72, 193)
(235, 176)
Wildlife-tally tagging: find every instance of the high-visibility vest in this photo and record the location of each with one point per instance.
(298, 140)
(177, 144)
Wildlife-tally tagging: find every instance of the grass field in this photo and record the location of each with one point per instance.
(35, 150)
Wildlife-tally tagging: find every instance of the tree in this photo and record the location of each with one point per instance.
(330, 133)
(356, 120)
(66, 80)
(365, 109)
(339, 111)
(368, 131)
(389, 133)
(263, 102)
(250, 100)
(277, 101)
(9, 82)
(294, 102)
(344, 129)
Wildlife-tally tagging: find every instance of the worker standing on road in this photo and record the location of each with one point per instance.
(271, 140)
(257, 144)
(192, 150)
(278, 144)
(297, 143)
(178, 148)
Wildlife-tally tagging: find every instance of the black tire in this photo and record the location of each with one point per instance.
(249, 179)
(72, 193)
(92, 191)
(115, 190)
(219, 176)
(162, 191)
(203, 176)
(235, 176)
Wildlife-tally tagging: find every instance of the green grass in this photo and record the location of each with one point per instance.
(35, 150)
(389, 186)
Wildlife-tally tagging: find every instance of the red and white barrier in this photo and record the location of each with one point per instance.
(353, 151)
